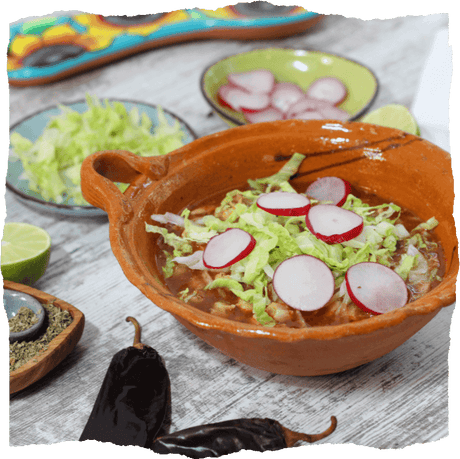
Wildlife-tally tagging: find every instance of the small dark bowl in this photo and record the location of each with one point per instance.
(12, 302)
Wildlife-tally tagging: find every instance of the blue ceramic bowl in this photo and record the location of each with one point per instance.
(33, 126)
(12, 302)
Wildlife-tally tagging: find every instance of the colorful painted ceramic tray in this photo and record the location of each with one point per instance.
(52, 48)
(32, 127)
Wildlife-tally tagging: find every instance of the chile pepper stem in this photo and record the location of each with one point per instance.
(293, 437)
(137, 331)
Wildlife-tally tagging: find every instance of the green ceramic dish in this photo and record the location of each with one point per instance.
(297, 66)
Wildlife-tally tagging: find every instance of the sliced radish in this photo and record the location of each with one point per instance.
(260, 80)
(284, 203)
(238, 99)
(328, 88)
(223, 96)
(304, 282)
(329, 189)
(227, 248)
(285, 94)
(375, 288)
(333, 224)
(309, 108)
(268, 114)
(309, 115)
(304, 104)
(329, 111)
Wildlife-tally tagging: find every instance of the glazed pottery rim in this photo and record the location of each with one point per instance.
(88, 209)
(441, 296)
(237, 122)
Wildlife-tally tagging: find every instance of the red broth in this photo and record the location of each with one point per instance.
(224, 303)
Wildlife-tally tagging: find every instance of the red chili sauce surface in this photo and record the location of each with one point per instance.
(222, 302)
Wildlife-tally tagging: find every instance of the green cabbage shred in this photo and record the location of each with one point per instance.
(52, 163)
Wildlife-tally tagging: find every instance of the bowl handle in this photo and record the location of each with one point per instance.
(99, 170)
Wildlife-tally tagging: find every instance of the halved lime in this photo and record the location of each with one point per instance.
(393, 116)
(25, 252)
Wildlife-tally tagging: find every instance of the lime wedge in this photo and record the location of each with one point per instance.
(25, 252)
(393, 116)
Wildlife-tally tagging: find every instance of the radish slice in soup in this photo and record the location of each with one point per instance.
(328, 88)
(227, 248)
(238, 99)
(268, 114)
(330, 189)
(260, 80)
(285, 94)
(375, 288)
(284, 203)
(333, 224)
(304, 282)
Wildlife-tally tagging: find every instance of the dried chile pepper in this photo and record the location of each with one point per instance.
(214, 440)
(133, 403)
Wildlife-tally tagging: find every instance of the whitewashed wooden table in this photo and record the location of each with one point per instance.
(398, 400)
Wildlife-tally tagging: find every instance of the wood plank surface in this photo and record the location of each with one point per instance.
(398, 400)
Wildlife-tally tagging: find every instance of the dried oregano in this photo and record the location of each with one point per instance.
(56, 321)
(23, 320)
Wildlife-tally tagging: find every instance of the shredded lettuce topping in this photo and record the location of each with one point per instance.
(278, 238)
(52, 163)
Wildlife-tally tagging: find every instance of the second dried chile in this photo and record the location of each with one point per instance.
(215, 440)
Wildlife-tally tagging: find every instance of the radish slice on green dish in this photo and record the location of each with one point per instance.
(260, 80)
(375, 288)
(309, 108)
(284, 203)
(239, 99)
(267, 114)
(331, 112)
(309, 115)
(228, 248)
(285, 94)
(304, 282)
(328, 88)
(304, 104)
(333, 224)
(332, 190)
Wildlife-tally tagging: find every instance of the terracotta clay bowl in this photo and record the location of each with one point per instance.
(58, 349)
(397, 166)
